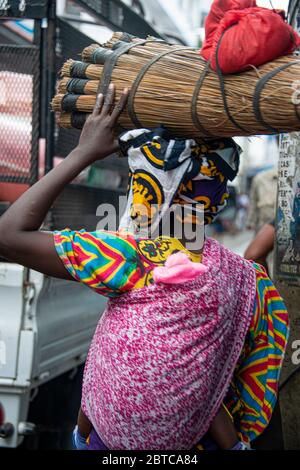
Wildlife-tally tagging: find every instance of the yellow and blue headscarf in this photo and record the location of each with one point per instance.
(166, 170)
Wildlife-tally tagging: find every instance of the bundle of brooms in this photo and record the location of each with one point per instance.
(172, 85)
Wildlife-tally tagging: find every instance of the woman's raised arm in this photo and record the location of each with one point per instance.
(21, 240)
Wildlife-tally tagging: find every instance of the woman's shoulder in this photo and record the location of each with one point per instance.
(87, 236)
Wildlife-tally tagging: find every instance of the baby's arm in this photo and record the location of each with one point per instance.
(84, 425)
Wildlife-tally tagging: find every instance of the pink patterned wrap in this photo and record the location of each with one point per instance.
(163, 356)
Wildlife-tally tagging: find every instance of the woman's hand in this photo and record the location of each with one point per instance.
(97, 139)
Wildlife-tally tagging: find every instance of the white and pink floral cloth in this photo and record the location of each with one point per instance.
(163, 356)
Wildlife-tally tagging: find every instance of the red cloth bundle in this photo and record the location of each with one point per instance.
(241, 34)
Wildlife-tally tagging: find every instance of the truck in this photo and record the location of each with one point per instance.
(46, 324)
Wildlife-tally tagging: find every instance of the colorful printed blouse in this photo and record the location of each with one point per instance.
(113, 263)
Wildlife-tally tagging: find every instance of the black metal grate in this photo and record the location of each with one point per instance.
(119, 16)
(19, 113)
(76, 207)
(70, 43)
(100, 7)
(24, 9)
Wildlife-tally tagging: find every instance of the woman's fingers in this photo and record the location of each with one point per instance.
(107, 104)
(98, 106)
(109, 100)
(119, 108)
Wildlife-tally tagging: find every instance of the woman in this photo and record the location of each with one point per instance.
(187, 335)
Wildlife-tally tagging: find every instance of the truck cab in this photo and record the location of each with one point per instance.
(46, 326)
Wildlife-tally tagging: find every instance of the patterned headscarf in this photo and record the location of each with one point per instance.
(166, 171)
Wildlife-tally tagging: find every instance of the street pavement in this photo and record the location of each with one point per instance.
(236, 242)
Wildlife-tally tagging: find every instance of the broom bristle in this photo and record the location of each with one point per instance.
(65, 120)
(88, 52)
(66, 68)
(62, 86)
(56, 103)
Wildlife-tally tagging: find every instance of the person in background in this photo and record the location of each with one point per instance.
(262, 199)
(262, 245)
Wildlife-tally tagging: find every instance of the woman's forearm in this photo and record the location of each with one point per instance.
(29, 211)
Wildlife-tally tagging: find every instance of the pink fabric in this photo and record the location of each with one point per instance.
(249, 35)
(178, 269)
(163, 356)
